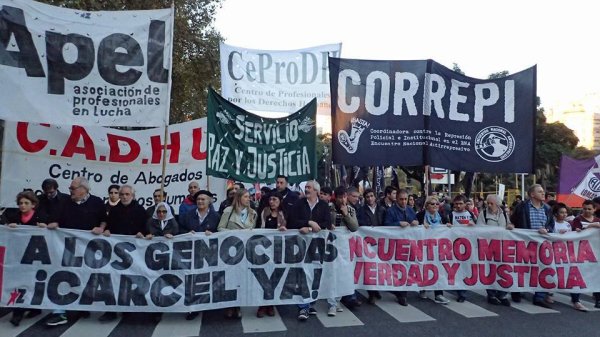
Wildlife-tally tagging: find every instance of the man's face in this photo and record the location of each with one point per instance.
(402, 200)
(193, 188)
(325, 197)
(392, 196)
(538, 194)
(459, 206)
(231, 194)
(309, 190)
(157, 196)
(49, 192)
(126, 195)
(370, 199)
(341, 199)
(353, 197)
(77, 191)
(280, 184)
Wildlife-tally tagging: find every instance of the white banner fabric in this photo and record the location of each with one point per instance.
(76, 270)
(65, 66)
(277, 80)
(106, 156)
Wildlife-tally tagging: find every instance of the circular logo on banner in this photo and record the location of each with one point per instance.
(594, 184)
(494, 144)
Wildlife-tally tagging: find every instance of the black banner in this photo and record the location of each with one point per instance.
(415, 113)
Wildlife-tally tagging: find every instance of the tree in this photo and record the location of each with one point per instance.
(196, 64)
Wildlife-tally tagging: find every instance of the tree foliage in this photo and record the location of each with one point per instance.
(196, 63)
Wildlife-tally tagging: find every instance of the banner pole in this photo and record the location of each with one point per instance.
(168, 112)
(164, 161)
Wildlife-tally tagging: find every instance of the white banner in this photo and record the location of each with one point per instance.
(76, 270)
(589, 187)
(106, 156)
(277, 80)
(65, 66)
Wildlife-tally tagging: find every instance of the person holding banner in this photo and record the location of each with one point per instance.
(432, 219)
(272, 217)
(162, 222)
(158, 196)
(533, 214)
(494, 215)
(113, 197)
(403, 216)
(235, 217)
(461, 216)
(343, 215)
(52, 200)
(587, 219)
(205, 219)
(371, 214)
(127, 217)
(309, 214)
(85, 212)
(289, 197)
(27, 215)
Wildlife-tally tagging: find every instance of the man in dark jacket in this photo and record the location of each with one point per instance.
(83, 211)
(536, 215)
(126, 218)
(289, 197)
(52, 200)
(309, 214)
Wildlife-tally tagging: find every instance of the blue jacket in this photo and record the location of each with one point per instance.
(520, 216)
(190, 221)
(395, 214)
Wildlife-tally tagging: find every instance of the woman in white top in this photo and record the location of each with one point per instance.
(493, 215)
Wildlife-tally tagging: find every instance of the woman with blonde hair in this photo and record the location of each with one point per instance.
(235, 217)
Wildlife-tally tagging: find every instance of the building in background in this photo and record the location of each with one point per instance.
(582, 116)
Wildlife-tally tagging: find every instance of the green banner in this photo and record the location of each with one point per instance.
(249, 148)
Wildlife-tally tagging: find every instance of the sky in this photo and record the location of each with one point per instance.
(482, 37)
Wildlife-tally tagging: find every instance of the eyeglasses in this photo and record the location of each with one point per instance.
(73, 188)
(434, 203)
(161, 212)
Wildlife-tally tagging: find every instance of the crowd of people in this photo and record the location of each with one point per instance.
(313, 210)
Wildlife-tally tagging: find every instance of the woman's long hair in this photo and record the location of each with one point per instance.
(237, 200)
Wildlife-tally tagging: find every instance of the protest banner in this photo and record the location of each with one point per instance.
(72, 269)
(78, 270)
(66, 66)
(250, 148)
(105, 156)
(416, 113)
(277, 80)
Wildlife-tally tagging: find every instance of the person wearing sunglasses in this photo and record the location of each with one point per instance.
(431, 218)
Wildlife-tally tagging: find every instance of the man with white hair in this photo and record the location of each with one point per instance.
(126, 218)
(493, 215)
(309, 214)
(83, 211)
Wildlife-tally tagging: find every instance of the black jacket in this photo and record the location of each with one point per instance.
(127, 220)
(301, 213)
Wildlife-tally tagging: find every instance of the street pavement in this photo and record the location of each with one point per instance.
(422, 317)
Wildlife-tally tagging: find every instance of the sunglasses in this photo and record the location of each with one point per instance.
(434, 203)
